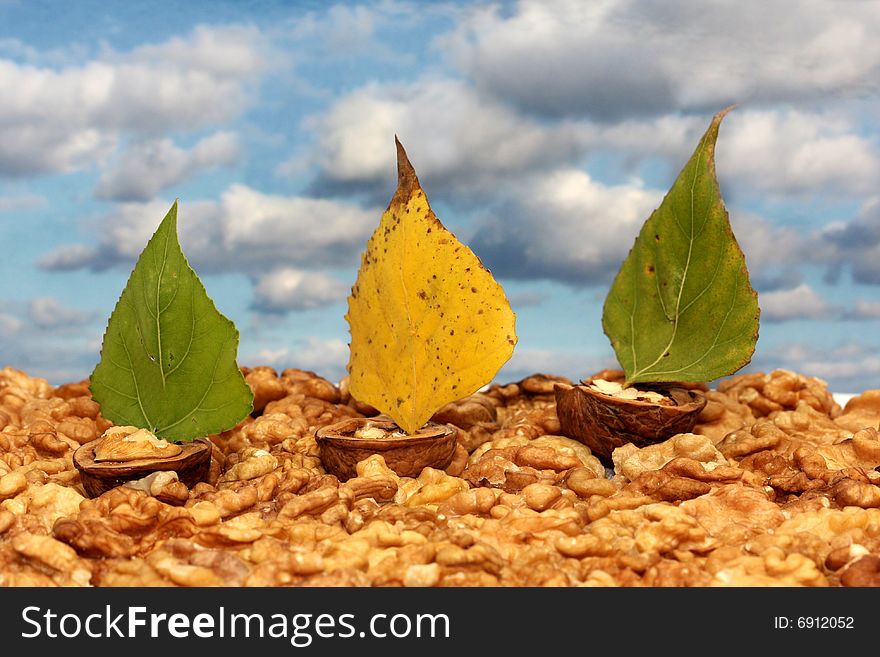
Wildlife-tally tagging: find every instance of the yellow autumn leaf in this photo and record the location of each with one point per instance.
(429, 324)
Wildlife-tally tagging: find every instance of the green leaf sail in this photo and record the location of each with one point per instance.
(168, 360)
(681, 307)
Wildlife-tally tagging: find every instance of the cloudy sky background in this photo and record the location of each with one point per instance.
(544, 134)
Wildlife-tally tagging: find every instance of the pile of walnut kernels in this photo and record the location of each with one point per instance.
(776, 486)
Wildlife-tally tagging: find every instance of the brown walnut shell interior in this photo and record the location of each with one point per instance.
(432, 446)
(605, 422)
(191, 465)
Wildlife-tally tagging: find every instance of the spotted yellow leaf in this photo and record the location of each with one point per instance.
(429, 324)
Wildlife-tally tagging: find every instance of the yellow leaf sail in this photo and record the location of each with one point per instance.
(429, 324)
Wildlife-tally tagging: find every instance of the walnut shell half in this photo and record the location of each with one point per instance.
(431, 446)
(605, 422)
(192, 465)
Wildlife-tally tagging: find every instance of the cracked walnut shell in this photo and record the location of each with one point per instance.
(604, 422)
(345, 443)
(191, 461)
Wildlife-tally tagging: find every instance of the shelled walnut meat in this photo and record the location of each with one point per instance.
(776, 484)
(131, 456)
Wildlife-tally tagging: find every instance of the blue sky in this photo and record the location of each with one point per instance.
(544, 133)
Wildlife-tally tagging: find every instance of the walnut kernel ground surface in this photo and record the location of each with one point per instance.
(776, 486)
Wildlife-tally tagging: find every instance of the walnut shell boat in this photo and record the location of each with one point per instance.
(431, 446)
(605, 422)
(192, 465)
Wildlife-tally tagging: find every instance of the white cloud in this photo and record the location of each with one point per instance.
(564, 225)
(325, 357)
(561, 58)
(50, 313)
(24, 202)
(797, 152)
(148, 167)
(853, 245)
(671, 136)
(298, 230)
(526, 299)
(863, 310)
(773, 253)
(342, 31)
(70, 257)
(288, 289)
(27, 53)
(849, 367)
(574, 365)
(463, 142)
(245, 231)
(224, 52)
(801, 302)
(62, 119)
(123, 235)
(621, 58)
(453, 135)
(49, 339)
(10, 325)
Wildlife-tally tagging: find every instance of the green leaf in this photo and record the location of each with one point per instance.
(168, 361)
(681, 307)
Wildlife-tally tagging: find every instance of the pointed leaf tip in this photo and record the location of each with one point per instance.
(711, 133)
(720, 115)
(407, 180)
